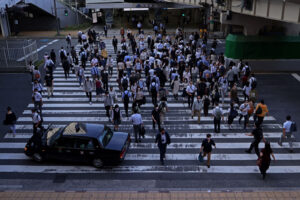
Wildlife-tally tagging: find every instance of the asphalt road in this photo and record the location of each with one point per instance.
(280, 92)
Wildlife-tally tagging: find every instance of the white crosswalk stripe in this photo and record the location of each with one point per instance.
(70, 104)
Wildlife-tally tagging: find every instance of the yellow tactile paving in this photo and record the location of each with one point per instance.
(268, 195)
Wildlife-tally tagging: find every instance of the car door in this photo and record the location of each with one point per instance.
(63, 149)
(85, 149)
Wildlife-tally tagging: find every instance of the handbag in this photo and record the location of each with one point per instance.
(143, 132)
(200, 157)
(259, 162)
(258, 111)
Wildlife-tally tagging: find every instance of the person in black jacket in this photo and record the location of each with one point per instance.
(162, 139)
(257, 133)
(206, 148)
(10, 119)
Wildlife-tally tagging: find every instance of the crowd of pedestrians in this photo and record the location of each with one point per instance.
(159, 64)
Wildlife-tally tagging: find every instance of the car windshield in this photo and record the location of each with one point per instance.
(106, 136)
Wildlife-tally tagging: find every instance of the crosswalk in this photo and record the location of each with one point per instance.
(70, 104)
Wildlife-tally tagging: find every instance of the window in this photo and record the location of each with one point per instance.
(84, 144)
(106, 136)
(65, 142)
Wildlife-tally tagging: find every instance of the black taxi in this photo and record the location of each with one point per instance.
(79, 142)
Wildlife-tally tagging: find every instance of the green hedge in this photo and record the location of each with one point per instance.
(262, 47)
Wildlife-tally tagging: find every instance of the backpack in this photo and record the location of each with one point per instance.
(163, 107)
(126, 97)
(125, 83)
(258, 111)
(67, 39)
(83, 57)
(247, 71)
(293, 127)
(218, 113)
(206, 101)
(153, 88)
(233, 113)
(254, 84)
(62, 55)
(217, 95)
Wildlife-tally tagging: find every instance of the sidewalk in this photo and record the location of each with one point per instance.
(18, 195)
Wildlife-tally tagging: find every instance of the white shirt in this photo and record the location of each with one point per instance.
(37, 96)
(287, 126)
(136, 119)
(244, 109)
(36, 118)
(190, 89)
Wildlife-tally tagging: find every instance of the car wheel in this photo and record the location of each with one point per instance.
(37, 157)
(97, 162)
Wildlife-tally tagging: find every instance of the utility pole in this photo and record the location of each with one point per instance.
(76, 4)
(57, 22)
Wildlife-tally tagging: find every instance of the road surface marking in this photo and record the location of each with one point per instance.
(296, 76)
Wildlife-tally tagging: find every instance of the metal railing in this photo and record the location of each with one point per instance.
(17, 53)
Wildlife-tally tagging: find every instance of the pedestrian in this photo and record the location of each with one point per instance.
(190, 90)
(10, 120)
(162, 139)
(154, 89)
(108, 103)
(37, 121)
(95, 72)
(163, 107)
(137, 122)
(49, 65)
(175, 87)
(53, 56)
(49, 84)
(66, 67)
(73, 54)
(80, 75)
(105, 29)
(246, 91)
(244, 108)
(126, 97)
(264, 159)
(287, 132)
(62, 54)
(88, 86)
(217, 115)
(206, 103)
(197, 108)
(83, 58)
(257, 133)
(110, 65)
(232, 113)
(233, 94)
(115, 44)
(37, 100)
(206, 148)
(99, 89)
(68, 40)
(156, 117)
(104, 78)
(261, 111)
(37, 85)
(116, 117)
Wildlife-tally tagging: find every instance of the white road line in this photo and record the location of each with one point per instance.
(198, 136)
(241, 145)
(141, 156)
(296, 76)
(39, 49)
(147, 169)
(169, 127)
(97, 119)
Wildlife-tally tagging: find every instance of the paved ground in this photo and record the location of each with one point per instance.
(274, 195)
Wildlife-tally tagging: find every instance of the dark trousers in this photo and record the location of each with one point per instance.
(115, 49)
(191, 99)
(217, 124)
(157, 122)
(154, 98)
(126, 109)
(137, 132)
(205, 110)
(35, 128)
(89, 95)
(254, 145)
(38, 106)
(260, 120)
(105, 86)
(107, 108)
(246, 118)
(162, 151)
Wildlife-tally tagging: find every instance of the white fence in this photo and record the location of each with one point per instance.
(17, 53)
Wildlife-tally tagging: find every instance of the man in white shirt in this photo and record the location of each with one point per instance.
(190, 90)
(287, 133)
(244, 108)
(37, 100)
(137, 122)
(36, 120)
(217, 115)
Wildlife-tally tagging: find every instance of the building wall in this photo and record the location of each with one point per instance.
(258, 25)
